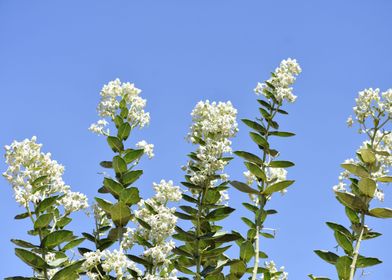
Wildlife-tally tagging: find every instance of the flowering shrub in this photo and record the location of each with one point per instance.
(136, 238)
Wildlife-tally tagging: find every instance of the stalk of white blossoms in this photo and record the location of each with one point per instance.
(213, 126)
(156, 225)
(360, 184)
(121, 103)
(265, 171)
(39, 188)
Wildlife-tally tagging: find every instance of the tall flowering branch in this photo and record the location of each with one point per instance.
(49, 202)
(122, 105)
(361, 182)
(213, 126)
(265, 171)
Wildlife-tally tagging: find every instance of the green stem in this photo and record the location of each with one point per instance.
(200, 201)
(261, 201)
(357, 246)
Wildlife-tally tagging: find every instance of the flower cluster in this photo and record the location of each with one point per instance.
(112, 95)
(274, 175)
(148, 148)
(271, 267)
(372, 103)
(112, 261)
(34, 176)
(162, 222)
(280, 83)
(213, 125)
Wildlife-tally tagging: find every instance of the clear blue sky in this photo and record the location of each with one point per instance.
(56, 55)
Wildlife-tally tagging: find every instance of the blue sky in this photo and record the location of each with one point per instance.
(56, 55)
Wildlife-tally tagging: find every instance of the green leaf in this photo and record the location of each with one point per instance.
(351, 201)
(131, 176)
(343, 267)
(46, 203)
(73, 243)
(119, 165)
(22, 243)
(120, 214)
(69, 272)
(249, 157)
(367, 155)
(133, 155)
(254, 125)
(115, 144)
(281, 163)
(277, 187)
(243, 187)
(344, 242)
(356, 169)
(311, 276)
(238, 269)
(31, 259)
(327, 256)
(113, 186)
(246, 251)
(385, 179)
(39, 180)
(282, 133)
(56, 238)
(367, 187)
(363, 262)
(337, 227)
(123, 131)
(22, 216)
(104, 204)
(215, 252)
(130, 196)
(258, 139)
(352, 215)
(381, 212)
(219, 214)
(106, 164)
(255, 170)
(43, 221)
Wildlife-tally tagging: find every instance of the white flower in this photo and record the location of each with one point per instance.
(350, 121)
(148, 148)
(74, 201)
(117, 262)
(99, 128)
(271, 267)
(250, 178)
(160, 253)
(281, 81)
(379, 195)
(366, 101)
(166, 191)
(213, 125)
(109, 106)
(92, 259)
(34, 176)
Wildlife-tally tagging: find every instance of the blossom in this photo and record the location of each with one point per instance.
(271, 267)
(148, 148)
(366, 102)
(280, 83)
(166, 191)
(73, 201)
(34, 176)
(117, 96)
(99, 127)
(213, 125)
(117, 262)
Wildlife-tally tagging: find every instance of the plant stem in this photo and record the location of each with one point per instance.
(200, 201)
(261, 203)
(357, 246)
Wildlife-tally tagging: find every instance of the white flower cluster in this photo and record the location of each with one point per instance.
(372, 103)
(162, 222)
(99, 127)
(382, 143)
(282, 79)
(34, 176)
(111, 96)
(112, 261)
(274, 175)
(148, 148)
(272, 269)
(213, 125)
